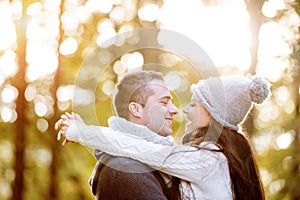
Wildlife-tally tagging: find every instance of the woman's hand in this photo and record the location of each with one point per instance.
(63, 124)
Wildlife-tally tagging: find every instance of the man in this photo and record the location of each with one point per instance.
(142, 102)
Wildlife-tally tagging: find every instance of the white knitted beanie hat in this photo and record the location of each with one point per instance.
(229, 99)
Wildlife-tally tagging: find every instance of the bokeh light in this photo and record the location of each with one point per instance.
(65, 93)
(148, 12)
(119, 68)
(107, 38)
(8, 65)
(68, 46)
(262, 142)
(8, 115)
(132, 60)
(9, 94)
(267, 112)
(40, 109)
(127, 30)
(173, 80)
(42, 125)
(34, 9)
(104, 57)
(282, 94)
(276, 186)
(271, 7)
(37, 67)
(169, 59)
(82, 97)
(284, 140)
(108, 87)
(30, 92)
(7, 37)
(289, 106)
(40, 156)
(117, 15)
(222, 31)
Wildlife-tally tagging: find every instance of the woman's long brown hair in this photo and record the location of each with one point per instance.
(244, 173)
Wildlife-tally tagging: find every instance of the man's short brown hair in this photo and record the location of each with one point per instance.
(133, 87)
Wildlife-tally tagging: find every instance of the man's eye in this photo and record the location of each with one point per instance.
(164, 102)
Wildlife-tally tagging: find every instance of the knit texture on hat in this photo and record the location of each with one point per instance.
(228, 99)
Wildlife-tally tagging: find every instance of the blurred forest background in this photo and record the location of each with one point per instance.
(44, 44)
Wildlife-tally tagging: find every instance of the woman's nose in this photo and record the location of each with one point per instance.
(184, 110)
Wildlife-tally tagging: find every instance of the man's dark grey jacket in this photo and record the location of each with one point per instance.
(119, 178)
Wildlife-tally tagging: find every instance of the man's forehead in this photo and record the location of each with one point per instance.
(157, 82)
(160, 89)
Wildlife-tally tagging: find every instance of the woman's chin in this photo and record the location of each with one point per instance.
(188, 129)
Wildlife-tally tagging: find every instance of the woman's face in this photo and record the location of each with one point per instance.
(196, 115)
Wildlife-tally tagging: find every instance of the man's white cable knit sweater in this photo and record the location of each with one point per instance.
(207, 171)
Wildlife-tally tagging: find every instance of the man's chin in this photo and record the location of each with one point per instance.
(164, 133)
(167, 133)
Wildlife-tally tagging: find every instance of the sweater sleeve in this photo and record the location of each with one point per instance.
(187, 163)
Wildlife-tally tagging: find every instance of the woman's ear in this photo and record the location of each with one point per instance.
(135, 109)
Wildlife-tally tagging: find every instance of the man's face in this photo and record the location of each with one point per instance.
(158, 112)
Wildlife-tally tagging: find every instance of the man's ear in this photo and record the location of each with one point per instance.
(135, 109)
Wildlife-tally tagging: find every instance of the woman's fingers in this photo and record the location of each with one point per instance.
(59, 124)
(59, 135)
(70, 116)
(62, 125)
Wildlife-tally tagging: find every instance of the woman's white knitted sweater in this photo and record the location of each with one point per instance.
(207, 171)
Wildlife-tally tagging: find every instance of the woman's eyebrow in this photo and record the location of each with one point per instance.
(193, 101)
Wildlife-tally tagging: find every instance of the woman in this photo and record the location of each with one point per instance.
(218, 161)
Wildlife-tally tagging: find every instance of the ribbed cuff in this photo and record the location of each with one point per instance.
(73, 132)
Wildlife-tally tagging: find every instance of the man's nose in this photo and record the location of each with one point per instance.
(173, 109)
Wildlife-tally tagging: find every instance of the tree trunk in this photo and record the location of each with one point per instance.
(256, 20)
(294, 186)
(20, 84)
(55, 146)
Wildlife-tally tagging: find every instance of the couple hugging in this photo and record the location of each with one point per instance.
(137, 158)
